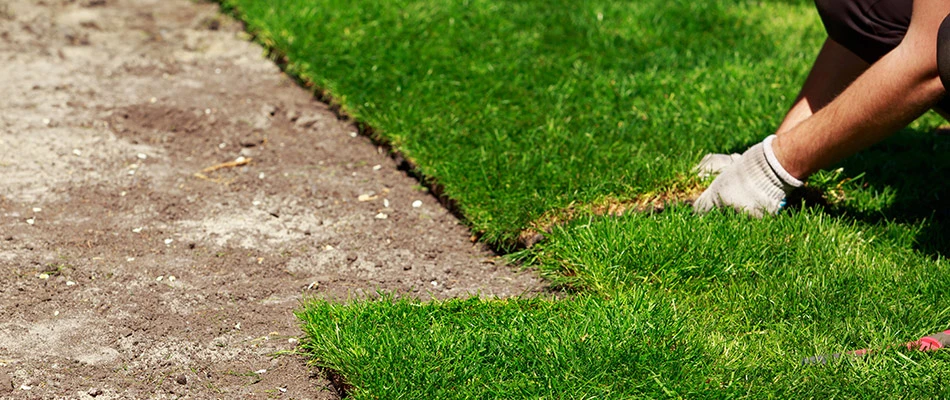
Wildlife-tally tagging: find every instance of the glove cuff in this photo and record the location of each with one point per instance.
(776, 166)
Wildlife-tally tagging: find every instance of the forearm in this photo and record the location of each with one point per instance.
(889, 95)
(834, 69)
(800, 111)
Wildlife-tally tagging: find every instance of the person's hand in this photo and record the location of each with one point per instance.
(755, 184)
(713, 164)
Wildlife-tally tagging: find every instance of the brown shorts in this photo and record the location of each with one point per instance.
(869, 28)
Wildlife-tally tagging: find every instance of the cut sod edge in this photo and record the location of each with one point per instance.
(683, 190)
(339, 383)
(403, 162)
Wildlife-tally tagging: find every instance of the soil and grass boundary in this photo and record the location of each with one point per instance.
(626, 99)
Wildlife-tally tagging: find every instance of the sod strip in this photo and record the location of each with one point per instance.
(675, 305)
(584, 347)
(519, 108)
(762, 295)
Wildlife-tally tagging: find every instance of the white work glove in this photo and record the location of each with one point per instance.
(713, 164)
(755, 183)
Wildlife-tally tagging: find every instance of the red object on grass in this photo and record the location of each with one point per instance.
(930, 342)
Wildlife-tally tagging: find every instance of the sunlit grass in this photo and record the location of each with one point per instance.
(519, 109)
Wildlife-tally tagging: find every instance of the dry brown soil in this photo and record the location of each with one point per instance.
(126, 271)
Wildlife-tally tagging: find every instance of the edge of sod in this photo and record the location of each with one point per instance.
(403, 162)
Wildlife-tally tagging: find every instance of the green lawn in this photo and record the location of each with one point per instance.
(521, 110)
(520, 107)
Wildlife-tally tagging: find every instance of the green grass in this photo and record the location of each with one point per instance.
(520, 108)
(761, 295)
(669, 305)
(587, 346)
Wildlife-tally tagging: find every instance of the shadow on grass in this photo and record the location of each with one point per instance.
(905, 180)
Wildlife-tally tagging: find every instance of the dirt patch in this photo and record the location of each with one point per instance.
(123, 274)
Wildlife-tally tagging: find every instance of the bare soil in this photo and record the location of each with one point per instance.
(130, 269)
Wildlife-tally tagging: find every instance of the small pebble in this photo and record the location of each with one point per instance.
(381, 216)
(37, 209)
(417, 204)
(137, 230)
(31, 221)
(122, 193)
(292, 340)
(240, 159)
(44, 276)
(282, 390)
(181, 380)
(77, 152)
(169, 241)
(434, 283)
(47, 121)
(130, 259)
(260, 175)
(328, 247)
(366, 197)
(171, 278)
(260, 371)
(56, 313)
(153, 100)
(70, 283)
(95, 392)
(238, 326)
(255, 203)
(377, 167)
(142, 156)
(160, 277)
(26, 387)
(386, 203)
(217, 70)
(353, 134)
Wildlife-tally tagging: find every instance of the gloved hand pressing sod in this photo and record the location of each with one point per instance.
(755, 183)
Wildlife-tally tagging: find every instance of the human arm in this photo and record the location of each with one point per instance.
(889, 95)
(834, 69)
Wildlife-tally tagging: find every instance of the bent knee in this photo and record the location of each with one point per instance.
(943, 52)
